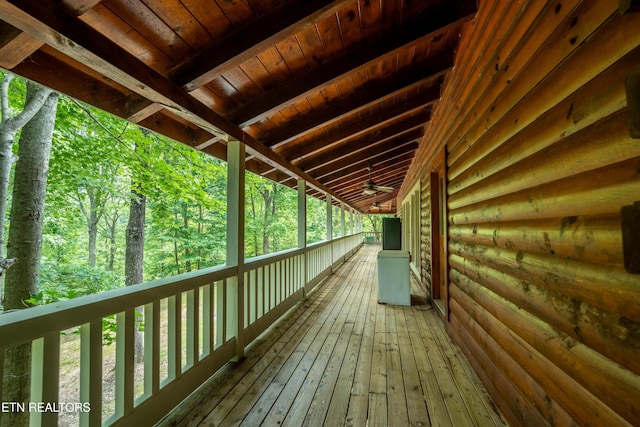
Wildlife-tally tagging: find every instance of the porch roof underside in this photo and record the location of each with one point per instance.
(337, 93)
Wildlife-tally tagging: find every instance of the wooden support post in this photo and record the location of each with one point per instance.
(342, 220)
(351, 224)
(330, 226)
(302, 230)
(329, 218)
(235, 241)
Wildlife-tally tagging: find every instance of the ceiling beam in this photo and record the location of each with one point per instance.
(374, 92)
(283, 22)
(78, 7)
(114, 99)
(372, 51)
(15, 45)
(357, 128)
(393, 137)
(48, 22)
(379, 160)
(384, 149)
(378, 175)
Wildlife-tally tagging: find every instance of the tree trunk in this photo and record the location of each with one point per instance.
(25, 240)
(185, 224)
(92, 227)
(134, 253)
(9, 126)
(267, 195)
(6, 161)
(111, 228)
(254, 230)
(200, 233)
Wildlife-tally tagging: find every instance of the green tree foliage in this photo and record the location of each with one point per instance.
(60, 282)
(96, 158)
(271, 219)
(316, 220)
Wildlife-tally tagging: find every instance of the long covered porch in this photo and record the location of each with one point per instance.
(340, 358)
(504, 134)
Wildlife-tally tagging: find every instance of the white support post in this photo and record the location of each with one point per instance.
(329, 218)
(302, 230)
(235, 241)
(342, 220)
(330, 226)
(351, 224)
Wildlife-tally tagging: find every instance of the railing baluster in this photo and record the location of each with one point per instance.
(91, 372)
(192, 328)
(149, 351)
(155, 346)
(1, 372)
(223, 304)
(290, 274)
(173, 338)
(207, 335)
(256, 293)
(211, 315)
(247, 297)
(260, 287)
(219, 315)
(279, 280)
(188, 330)
(125, 343)
(45, 370)
(269, 286)
(211, 320)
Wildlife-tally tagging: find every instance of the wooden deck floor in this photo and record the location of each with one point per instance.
(341, 358)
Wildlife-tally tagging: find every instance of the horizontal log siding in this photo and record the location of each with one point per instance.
(540, 162)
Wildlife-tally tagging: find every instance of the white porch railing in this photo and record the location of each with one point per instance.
(189, 332)
(372, 237)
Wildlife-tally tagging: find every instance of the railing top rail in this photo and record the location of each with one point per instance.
(259, 261)
(25, 325)
(21, 326)
(318, 244)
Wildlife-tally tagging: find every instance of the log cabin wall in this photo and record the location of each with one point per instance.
(539, 163)
(425, 237)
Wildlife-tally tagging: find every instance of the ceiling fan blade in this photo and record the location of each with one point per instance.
(384, 189)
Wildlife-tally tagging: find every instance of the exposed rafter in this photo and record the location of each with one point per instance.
(316, 90)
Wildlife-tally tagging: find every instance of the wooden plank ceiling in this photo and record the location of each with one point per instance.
(334, 92)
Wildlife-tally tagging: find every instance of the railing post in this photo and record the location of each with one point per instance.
(302, 231)
(330, 226)
(235, 240)
(351, 224)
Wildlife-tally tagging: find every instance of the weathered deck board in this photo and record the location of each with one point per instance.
(342, 359)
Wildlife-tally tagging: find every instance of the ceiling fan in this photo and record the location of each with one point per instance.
(370, 187)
